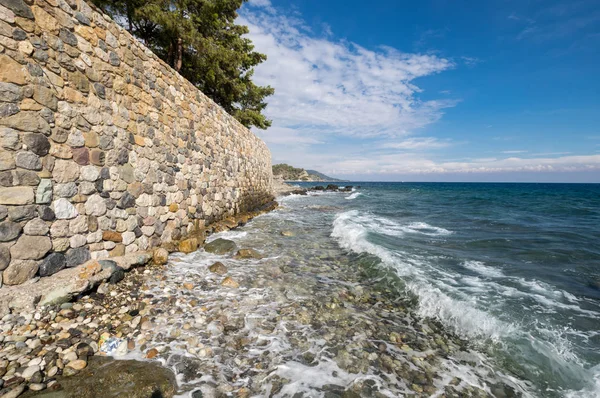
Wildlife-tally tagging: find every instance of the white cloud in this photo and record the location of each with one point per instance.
(417, 143)
(339, 87)
(514, 152)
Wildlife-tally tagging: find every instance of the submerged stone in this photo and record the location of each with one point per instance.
(220, 246)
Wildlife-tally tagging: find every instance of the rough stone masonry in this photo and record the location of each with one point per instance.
(104, 149)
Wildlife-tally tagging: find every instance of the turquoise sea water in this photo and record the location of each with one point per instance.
(513, 268)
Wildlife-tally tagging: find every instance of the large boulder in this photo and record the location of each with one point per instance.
(106, 377)
(248, 253)
(220, 246)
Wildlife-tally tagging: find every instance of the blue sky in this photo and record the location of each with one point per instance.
(432, 90)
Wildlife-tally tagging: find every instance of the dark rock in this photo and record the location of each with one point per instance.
(100, 90)
(8, 110)
(19, 8)
(46, 213)
(68, 37)
(114, 59)
(108, 264)
(19, 34)
(53, 263)
(332, 187)
(9, 231)
(37, 143)
(220, 246)
(77, 256)
(82, 18)
(3, 212)
(123, 156)
(84, 351)
(106, 377)
(117, 276)
(126, 201)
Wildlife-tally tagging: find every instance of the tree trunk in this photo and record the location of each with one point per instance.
(179, 55)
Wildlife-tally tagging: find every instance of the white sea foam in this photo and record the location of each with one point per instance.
(482, 269)
(353, 195)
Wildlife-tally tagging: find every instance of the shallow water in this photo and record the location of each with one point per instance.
(397, 289)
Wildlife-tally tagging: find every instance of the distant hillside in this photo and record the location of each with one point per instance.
(290, 173)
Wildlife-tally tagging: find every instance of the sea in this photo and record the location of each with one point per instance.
(511, 271)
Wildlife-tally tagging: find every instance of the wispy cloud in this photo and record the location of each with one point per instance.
(417, 144)
(514, 152)
(340, 87)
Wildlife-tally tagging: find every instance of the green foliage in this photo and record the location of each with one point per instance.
(199, 39)
(288, 172)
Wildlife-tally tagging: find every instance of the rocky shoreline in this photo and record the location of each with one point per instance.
(213, 332)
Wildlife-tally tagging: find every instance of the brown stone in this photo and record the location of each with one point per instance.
(139, 140)
(188, 245)
(81, 156)
(228, 282)
(97, 157)
(61, 151)
(20, 271)
(91, 139)
(77, 364)
(16, 196)
(152, 353)
(188, 285)
(118, 251)
(44, 20)
(160, 256)
(248, 253)
(112, 236)
(12, 71)
(173, 207)
(218, 268)
(31, 247)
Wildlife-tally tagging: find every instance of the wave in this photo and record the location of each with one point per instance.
(482, 269)
(384, 226)
(475, 306)
(353, 195)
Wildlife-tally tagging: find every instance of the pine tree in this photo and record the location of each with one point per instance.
(200, 40)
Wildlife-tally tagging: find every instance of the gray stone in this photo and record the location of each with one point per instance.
(19, 8)
(9, 139)
(31, 247)
(36, 227)
(64, 210)
(28, 160)
(220, 246)
(24, 177)
(65, 171)
(19, 34)
(68, 37)
(9, 230)
(53, 263)
(3, 212)
(21, 213)
(67, 190)
(77, 241)
(126, 201)
(10, 92)
(44, 192)
(77, 256)
(37, 143)
(20, 271)
(95, 206)
(8, 110)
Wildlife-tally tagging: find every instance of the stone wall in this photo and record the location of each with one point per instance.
(104, 149)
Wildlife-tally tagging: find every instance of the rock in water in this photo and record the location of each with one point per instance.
(218, 268)
(220, 246)
(248, 253)
(228, 282)
(105, 377)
